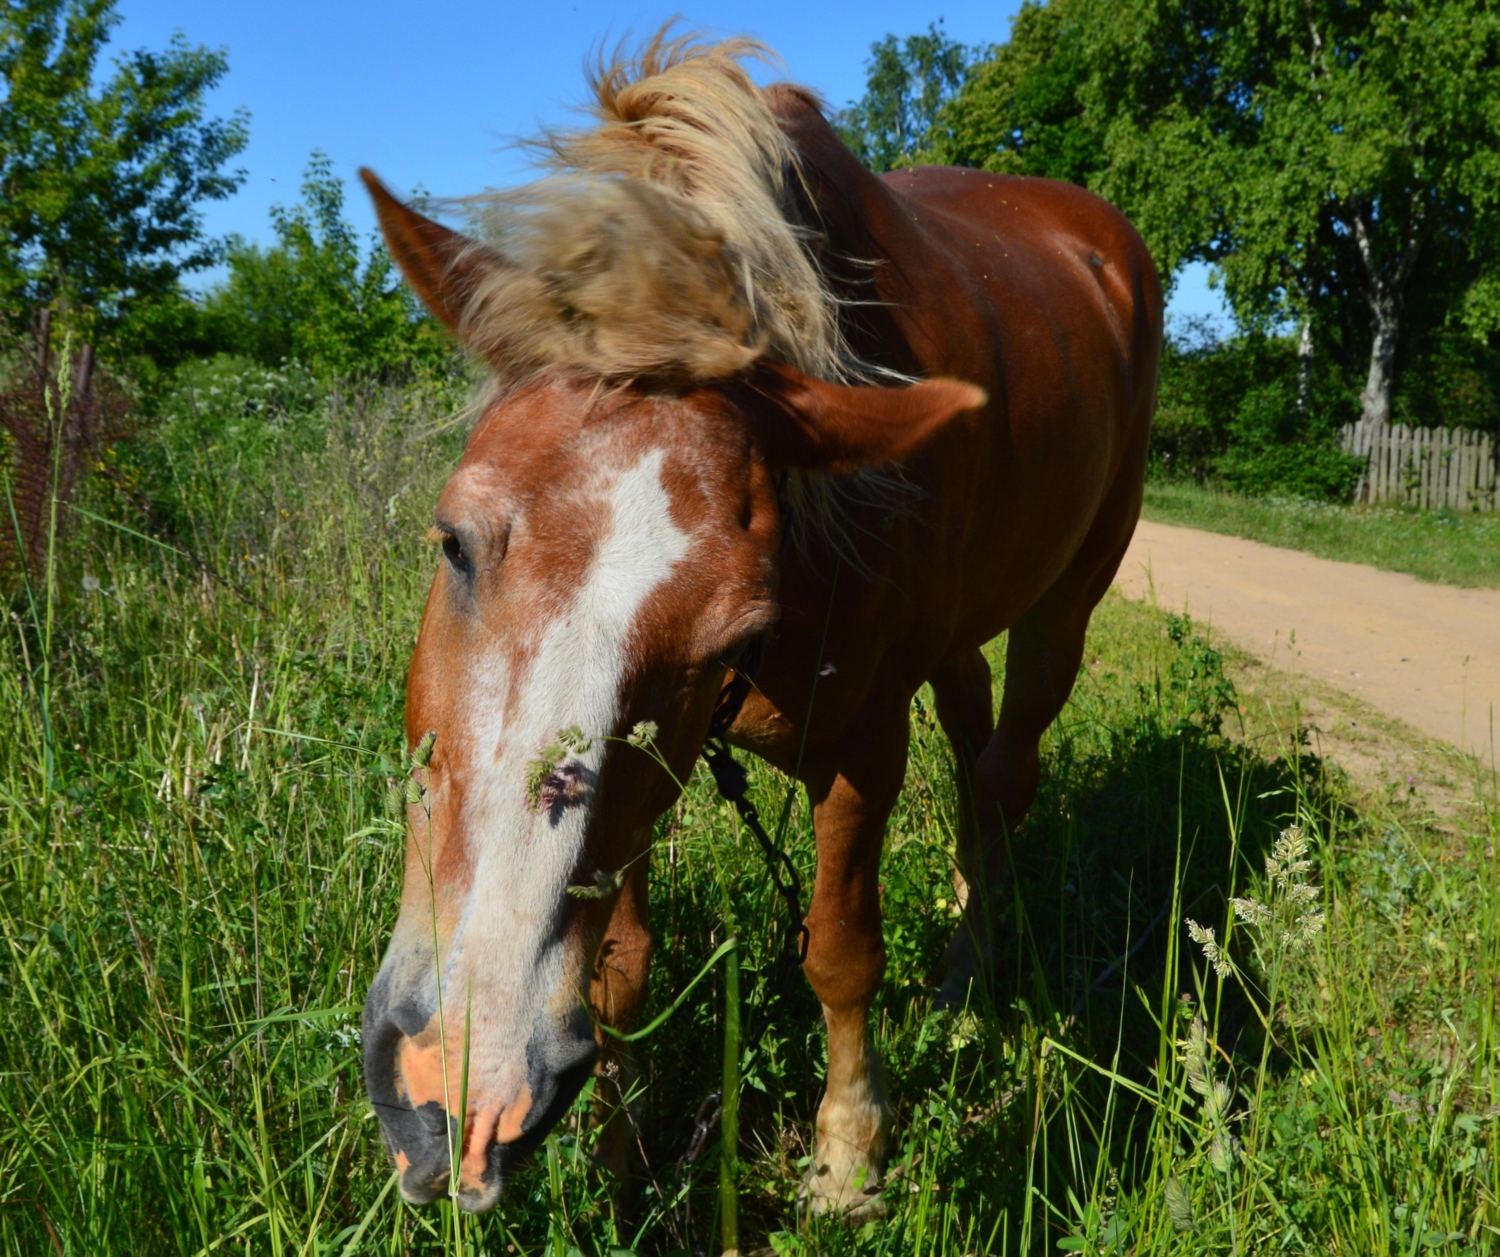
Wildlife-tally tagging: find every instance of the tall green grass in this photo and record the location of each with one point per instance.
(195, 896)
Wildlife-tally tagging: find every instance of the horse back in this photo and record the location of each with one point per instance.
(1040, 292)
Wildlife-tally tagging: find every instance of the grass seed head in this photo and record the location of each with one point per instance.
(1205, 937)
(574, 739)
(1288, 864)
(1221, 1151)
(1195, 1058)
(568, 741)
(605, 885)
(1251, 911)
(1179, 1204)
(395, 800)
(1297, 922)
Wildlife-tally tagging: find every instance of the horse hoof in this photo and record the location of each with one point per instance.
(853, 1201)
(960, 988)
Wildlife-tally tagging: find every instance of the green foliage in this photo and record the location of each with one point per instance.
(1196, 679)
(103, 183)
(1324, 156)
(1021, 112)
(908, 82)
(226, 432)
(1449, 378)
(1336, 163)
(312, 298)
(1439, 546)
(1229, 412)
(1273, 447)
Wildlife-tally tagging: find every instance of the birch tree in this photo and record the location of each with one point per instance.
(1317, 151)
(907, 83)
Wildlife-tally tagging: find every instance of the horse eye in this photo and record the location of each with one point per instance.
(730, 658)
(455, 552)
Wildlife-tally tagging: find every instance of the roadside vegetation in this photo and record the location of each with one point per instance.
(1447, 547)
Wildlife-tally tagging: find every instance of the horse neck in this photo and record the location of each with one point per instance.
(869, 243)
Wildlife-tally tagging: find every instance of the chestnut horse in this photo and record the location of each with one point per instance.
(711, 329)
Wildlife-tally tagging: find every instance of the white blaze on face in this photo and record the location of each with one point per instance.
(523, 855)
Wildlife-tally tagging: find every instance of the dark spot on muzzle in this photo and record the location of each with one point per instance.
(417, 1136)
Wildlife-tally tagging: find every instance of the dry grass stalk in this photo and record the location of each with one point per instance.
(56, 414)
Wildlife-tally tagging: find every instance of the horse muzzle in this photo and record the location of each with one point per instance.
(417, 1093)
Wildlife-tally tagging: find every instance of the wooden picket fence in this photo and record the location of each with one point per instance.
(1425, 467)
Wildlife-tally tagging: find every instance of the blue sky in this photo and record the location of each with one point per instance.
(430, 94)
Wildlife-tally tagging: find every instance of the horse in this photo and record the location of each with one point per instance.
(747, 396)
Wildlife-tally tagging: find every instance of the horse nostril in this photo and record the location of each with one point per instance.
(418, 1140)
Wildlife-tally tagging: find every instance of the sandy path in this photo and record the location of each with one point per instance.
(1427, 654)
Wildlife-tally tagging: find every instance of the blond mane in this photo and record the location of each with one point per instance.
(665, 241)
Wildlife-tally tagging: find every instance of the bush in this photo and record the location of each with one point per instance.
(1452, 379)
(1275, 447)
(1228, 412)
(216, 474)
(314, 298)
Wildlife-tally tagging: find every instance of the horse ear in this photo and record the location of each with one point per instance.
(840, 427)
(443, 267)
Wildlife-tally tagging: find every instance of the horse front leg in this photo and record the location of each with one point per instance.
(845, 964)
(1042, 657)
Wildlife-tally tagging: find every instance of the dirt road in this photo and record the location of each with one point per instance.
(1427, 654)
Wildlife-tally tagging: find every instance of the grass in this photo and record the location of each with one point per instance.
(1441, 546)
(197, 877)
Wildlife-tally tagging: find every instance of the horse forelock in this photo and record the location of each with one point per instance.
(665, 239)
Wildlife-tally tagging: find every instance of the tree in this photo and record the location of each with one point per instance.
(312, 297)
(1320, 153)
(908, 82)
(1021, 112)
(101, 186)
